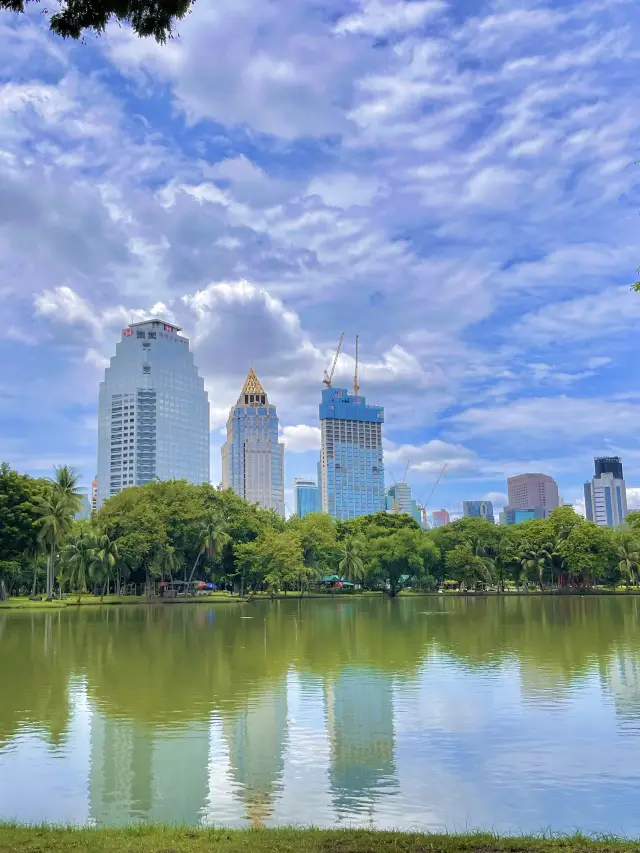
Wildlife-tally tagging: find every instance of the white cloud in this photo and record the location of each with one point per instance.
(301, 438)
(378, 18)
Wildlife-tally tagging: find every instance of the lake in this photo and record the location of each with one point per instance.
(512, 714)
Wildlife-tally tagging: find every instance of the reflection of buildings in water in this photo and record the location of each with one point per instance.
(622, 678)
(256, 737)
(359, 706)
(542, 686)
(143, 774)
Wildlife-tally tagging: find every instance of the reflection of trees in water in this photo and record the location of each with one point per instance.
(163, 666)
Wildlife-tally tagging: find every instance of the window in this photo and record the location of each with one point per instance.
(140, 334)
(146, 368)
(151, 335)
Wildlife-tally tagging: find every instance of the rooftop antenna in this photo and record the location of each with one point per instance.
(356, 387)
(328, 374)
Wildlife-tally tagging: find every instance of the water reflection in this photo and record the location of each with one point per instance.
(510, 713)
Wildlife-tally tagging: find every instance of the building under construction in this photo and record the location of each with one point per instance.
(351, 461)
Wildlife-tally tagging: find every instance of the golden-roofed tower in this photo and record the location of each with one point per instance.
(252, 391)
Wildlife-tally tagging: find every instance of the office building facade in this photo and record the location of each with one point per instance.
(530, 491)
(440, 518)
(399, 500)
(605, 496)
(252, 456)
(478, 509)
(351, 459)
(153, 412)
(516, 516)
(306, 496)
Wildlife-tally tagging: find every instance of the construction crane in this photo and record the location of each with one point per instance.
(423, 507)
(328, 374)
(356, 387)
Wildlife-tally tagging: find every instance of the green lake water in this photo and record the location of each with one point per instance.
(512, 714)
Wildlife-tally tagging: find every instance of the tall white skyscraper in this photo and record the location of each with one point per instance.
(252, 456)
(153, 414)
(605, 496)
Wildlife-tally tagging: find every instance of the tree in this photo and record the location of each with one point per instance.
(318, 537)
(80, 558)
(75, 17)
(628, 551)
(351, 565)
(589, 553)
(562, 520)
(537, 560)
(211, 541)
(400, 557)
(467, 567)
(107, 557)
(56, 519)
(273, 561)
(18, 519)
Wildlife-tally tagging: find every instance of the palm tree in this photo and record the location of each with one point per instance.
(107, 556)
(351, 564)
(55, 523)
(65, 484)
(538, 559)
(211, 541)
(629, 559)
(81, 558)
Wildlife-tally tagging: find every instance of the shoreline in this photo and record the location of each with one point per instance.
(21, 603)
(150, 839)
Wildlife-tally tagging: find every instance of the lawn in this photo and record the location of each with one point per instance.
(150, 839)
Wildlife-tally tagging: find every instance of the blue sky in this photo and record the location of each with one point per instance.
(456, 183)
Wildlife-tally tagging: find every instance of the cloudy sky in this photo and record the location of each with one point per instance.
(454, 182)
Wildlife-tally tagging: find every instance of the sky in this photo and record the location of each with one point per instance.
(453, 182)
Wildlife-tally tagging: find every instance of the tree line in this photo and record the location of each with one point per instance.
(174, 530)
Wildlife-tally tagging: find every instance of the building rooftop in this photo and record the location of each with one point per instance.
(156, 320)
(252, 384)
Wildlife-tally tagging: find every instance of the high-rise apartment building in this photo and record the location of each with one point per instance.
(530, 491)
(306, 495)
(153, 413)
(399, 500)
(605, 496)
(440, 518)
(252, 456)
(94, 494)
(478, 509)
(351, 460)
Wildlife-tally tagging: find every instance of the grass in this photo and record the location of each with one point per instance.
(24, 603)
(166, 839)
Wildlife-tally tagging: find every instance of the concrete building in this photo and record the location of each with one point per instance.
(94, 494)
(605, 496)
(529, 491)
(351, 460)
(306, 495)
(153, 413)
(440, 518)
(252, 456)
(399, 500)
(478, 509)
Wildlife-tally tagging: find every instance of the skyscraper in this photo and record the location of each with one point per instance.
(440, 518)
(351, 461)
(252, 457)
(530, 491)
(478, 509)
(306, 496)
(399, 500)
(605, 496)
(153, 413)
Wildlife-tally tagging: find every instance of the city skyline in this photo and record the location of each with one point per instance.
(520, 488)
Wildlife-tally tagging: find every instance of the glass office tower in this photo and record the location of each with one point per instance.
(252, 456)
(306, 496)
(351, 461)
(153, 413)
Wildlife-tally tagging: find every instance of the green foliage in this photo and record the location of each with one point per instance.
(19, 495)
(273, 561)
(74, 17)
(398, 558)
(352, 565)
(589, 553)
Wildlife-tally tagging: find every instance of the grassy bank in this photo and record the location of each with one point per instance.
(147, 839)
(23, 603)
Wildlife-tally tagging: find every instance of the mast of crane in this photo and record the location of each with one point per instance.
(356, 387)
(328, 374)
(423, 507)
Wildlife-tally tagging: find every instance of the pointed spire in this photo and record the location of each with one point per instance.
(252, 384)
